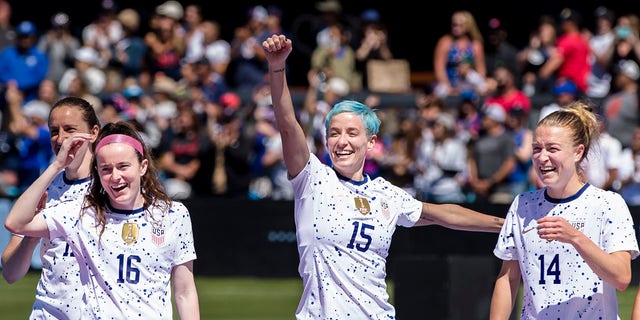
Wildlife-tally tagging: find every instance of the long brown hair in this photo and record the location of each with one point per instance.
(152, 189)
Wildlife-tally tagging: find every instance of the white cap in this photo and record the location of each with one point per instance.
(37, 109)
(338, 86)
(88, 55)
(172, 9)
(629, 68)
(495, 112)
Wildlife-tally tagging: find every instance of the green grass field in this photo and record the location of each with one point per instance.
(225, 298)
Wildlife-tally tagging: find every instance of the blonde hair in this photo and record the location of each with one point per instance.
(583, 124)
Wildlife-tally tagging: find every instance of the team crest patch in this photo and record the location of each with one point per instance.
(385, 210)
(362, 204)
(157, 236)
(130, 232)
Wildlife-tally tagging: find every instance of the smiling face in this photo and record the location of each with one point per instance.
(347, 144)
(120, 173)
(555, 160)
(65, 121)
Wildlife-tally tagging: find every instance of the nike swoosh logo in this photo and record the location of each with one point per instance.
(527, 230)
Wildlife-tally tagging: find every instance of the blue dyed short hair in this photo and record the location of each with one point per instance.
(368, 116)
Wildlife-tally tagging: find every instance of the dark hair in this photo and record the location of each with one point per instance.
(88, 112)
(152, 189)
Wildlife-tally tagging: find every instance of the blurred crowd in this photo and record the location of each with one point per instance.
(203, 102)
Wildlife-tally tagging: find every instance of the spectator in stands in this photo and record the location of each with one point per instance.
(22, 63)
(626, 46)
(193, 32)
(570, 243)
(248, 65)
(629, 171)
(565, 92)
(226, 166)
(504, 92)
(600, 41)
(128, 53)
(499, 51)
(602, 163)
(571, 57)
(216, 49)
(350, 262)
(127, 212)
(463, 43)
(59, 44)
(492, 159)
(180, 152)
(7, 30)
(517, 124)
(373, 43)
(86, 68)
(441, 163)
(469, 119)
(621, 108)
(165, 45)
(542, 44)
(337, 59)
(29, 125)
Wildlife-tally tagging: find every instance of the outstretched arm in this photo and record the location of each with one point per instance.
(457, 217)
(294, 143)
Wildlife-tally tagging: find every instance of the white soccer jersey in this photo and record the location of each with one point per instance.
(126, 272)
(344, 231)
(58, 293)
(558, 283)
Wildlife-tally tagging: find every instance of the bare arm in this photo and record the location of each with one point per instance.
(505, 291)
(16, 257)
(457, 217)
(21, 219)
(185, 294)
(294, 144)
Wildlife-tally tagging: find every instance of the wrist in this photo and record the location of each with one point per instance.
(277, 69)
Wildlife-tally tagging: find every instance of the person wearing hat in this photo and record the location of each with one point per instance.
(59, 44)
(128, 54)
(28, 122)
(564, 92)
(23, 63)
(622, 107)
(441, 163)
(492, 159)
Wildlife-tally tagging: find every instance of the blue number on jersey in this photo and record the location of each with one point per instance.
(552, 270)
(132, 273)
(363, 234)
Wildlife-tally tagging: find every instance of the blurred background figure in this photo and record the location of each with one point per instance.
(463, 43)
(22, 63)
(59, 44)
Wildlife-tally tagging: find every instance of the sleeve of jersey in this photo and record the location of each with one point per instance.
(619, 233)
(505, 248)
(409, 208)
(184, 249)
(302, 183)
(61, 219)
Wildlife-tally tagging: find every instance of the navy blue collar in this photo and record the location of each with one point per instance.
(121, 211)
(357, 183)
(568, 199)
